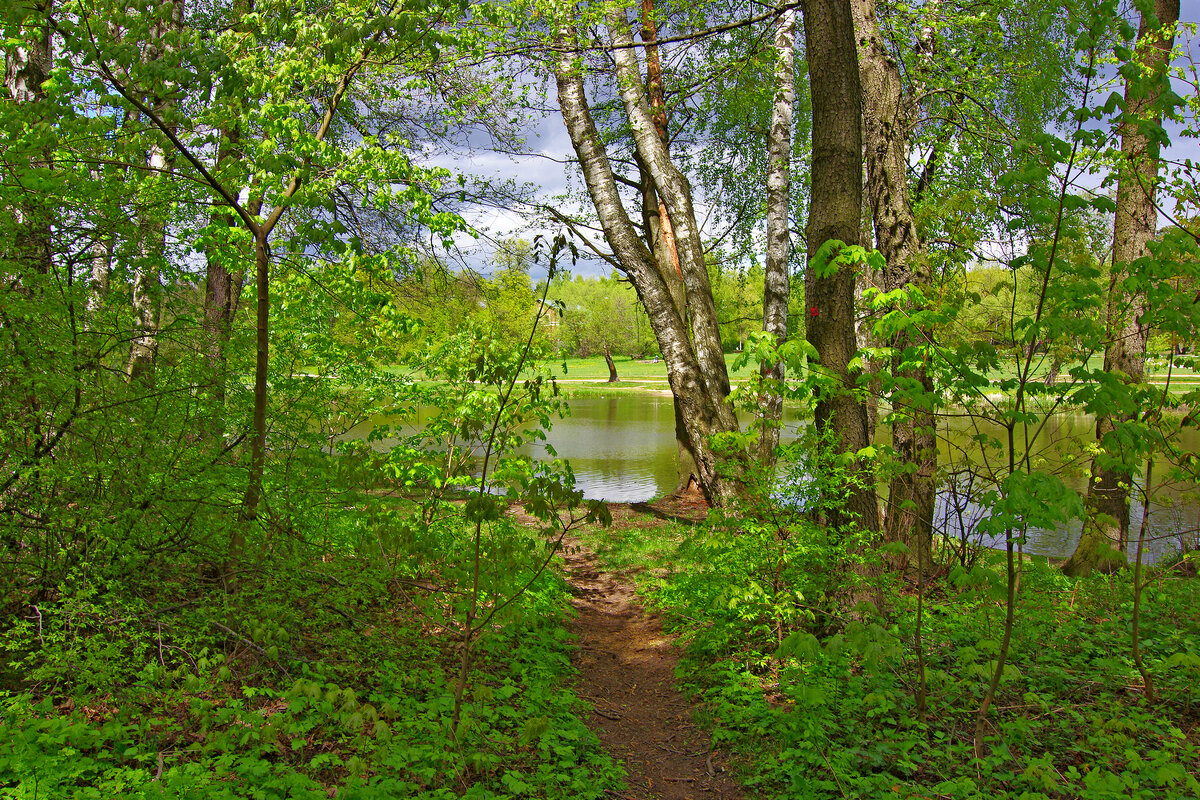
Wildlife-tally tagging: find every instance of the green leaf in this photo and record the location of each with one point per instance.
(799, 644)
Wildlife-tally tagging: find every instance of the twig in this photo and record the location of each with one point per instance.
(253, 645)
(38, 612)
(185, 653)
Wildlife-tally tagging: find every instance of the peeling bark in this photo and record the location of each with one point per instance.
(674, 190)
(695, 364)
(659, 232)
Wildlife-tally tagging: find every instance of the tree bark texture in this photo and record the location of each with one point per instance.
(152, 228)
(885, 138)
(676, 193)
(1106, 528)
(835, 208)
(612, 368)
(695, 364)
(779, 206)
(147, 285)
(222, 288)
(26, 68)
(658, 231)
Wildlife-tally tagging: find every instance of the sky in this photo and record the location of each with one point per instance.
(549, 149)
(544, 166)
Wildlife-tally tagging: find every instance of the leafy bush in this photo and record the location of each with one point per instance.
(820, 701)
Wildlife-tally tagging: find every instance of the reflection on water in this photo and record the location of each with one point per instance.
(622, 449)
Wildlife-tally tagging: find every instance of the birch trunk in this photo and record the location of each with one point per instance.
(1106, 529)
(659, 232)
(147, 286)
(695, 364)
(676, 193)
(26, 68)
(152, 228)
(775, 277)
(97, 293)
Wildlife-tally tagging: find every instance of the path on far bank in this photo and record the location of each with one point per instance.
(627, 671)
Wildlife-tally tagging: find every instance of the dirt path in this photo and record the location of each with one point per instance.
(627, 670)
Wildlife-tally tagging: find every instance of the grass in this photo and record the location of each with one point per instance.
(595, 369)
(588, 377)
(582, 376)
(1156, 369)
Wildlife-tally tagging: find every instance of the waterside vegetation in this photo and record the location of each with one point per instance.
(226, 230)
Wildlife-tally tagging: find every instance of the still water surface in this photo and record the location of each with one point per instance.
(622, 449)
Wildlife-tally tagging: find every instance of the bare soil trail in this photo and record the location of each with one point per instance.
(627, 671)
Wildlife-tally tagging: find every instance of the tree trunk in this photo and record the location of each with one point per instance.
(152, 228)
(102, 253)
(222, 288)
(885, 132)
(220, 300)
(834, 213)
(147, 287)
(612, 368)
(1106, 527)
(775, 274)
(695, 364)
(659, 232)
(258, 437)
(26, 68)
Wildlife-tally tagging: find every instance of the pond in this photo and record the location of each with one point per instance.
(622, 449)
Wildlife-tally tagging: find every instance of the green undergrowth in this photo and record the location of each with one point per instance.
(815, 691)
(317, 680)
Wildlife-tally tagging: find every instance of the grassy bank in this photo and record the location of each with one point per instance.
(819, 696)
(588, 377)
(584, 376)
(650, 371)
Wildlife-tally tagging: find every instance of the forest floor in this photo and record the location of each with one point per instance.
(627, 672)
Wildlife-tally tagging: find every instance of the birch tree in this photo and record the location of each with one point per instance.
(684, 322)
(779, 208)
(147, 279)
(26, 68)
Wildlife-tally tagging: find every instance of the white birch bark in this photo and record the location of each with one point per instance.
(676, 193)
(26, 67)
(701, 401)
(775, 278)
(147, 279)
